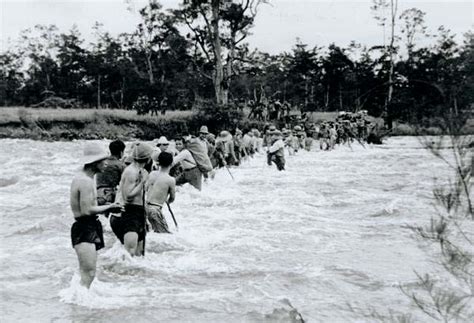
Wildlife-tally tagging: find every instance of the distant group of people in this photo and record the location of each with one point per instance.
(344, 130)
(132, 189)
(266, 110)
(144, 105)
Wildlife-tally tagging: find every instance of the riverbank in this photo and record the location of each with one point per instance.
(70, 124)
(62, 124)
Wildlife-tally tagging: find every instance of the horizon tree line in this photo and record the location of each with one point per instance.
(197, 54)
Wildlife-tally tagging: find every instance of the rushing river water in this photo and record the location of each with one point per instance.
(328, 232)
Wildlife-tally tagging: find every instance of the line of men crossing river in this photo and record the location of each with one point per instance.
(132, 189)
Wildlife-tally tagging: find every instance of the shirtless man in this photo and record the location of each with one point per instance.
(86, 232)
(159, 186)
(130, 228)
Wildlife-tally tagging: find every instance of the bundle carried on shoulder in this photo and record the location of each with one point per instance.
(199, 152)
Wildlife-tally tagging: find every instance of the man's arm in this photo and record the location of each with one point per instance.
(179, 157)
(87, 201)
(184, 155)
(172, 190)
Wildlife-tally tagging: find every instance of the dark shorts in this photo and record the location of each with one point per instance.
(87, 229)
(132, 220)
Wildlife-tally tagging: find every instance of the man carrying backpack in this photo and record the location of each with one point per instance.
(191, 173)
(202, 140)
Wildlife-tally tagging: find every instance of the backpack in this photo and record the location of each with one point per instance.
(199, 153)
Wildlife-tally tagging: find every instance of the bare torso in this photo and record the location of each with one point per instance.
(158, 187)
(132, 182)
(83, 190)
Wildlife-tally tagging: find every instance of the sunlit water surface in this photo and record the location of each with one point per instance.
(328, 232)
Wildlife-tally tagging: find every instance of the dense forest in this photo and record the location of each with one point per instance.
(198, 53)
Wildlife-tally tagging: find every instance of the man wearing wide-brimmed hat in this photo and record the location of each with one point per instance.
(86, 232)
(225, 143)
(203, 132)
(163, 143)
(130, 229)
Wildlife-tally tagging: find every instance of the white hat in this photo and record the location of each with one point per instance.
(93, 152)
(162, 141)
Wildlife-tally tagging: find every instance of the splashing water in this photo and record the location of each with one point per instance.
(268, 247)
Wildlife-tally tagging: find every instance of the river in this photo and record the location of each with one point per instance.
(326, 240)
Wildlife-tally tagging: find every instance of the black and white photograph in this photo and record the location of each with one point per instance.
(238, 161)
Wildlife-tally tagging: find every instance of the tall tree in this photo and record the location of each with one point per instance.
(11, 77)
(413, 23)
(72, 67)
(303, 72)
(39, 47)
(217, 27)
(383, 10)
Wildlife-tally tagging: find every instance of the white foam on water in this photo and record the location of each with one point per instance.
(100, 295)
(260, 248)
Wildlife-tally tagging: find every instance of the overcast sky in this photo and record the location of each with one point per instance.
(315, 22)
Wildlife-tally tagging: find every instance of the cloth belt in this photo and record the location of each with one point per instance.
(154, 204)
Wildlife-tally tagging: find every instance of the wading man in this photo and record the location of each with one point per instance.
(86, 232)
(130, 227)
(160, 189)
(191, 173)
(108, 180)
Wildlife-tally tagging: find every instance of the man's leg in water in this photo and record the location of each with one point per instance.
(139, 248)
(130, 242)
(87, 256)
(269, 159)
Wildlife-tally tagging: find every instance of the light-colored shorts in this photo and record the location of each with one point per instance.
(155, 217)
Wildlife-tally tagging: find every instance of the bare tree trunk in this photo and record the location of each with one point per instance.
(326, 101)
(98, 92)
(340, 98)
(393, 7)
(357, 100)
(230, 60)
(388, 101)
(218, 76)
(122, 87)
(48, 81)
(306, 92)
(150, 69)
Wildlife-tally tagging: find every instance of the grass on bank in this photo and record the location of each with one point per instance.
(49, 123)
(12, 115)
